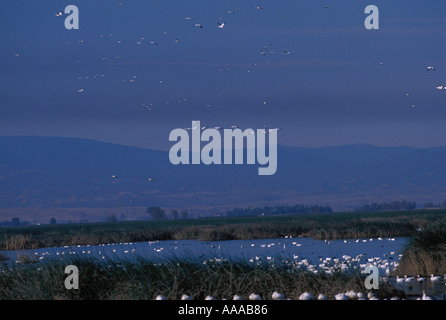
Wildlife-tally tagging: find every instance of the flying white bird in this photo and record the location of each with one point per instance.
(221, 25)
(198, 25)
(430, 68)
(233, 11)
(440, 87)
(59, 14)
(266, 46)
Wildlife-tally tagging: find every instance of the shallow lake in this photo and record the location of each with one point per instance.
(385, 249)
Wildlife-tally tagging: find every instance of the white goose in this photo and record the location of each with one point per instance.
(254, 296)
(322, 297)
(425, 297)
(341, 296)
(435, 278)
(278, 296)
(306, 296)
(420, 279)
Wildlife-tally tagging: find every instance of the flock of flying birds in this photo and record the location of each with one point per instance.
(142, 40)
(149, 179)
(264, 50)
(151, 106)
(440, 86)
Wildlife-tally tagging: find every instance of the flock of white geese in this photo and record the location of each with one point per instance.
(348, 295)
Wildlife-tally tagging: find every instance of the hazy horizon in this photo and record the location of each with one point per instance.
(167, 147)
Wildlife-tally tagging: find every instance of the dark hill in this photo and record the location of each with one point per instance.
(72, 172)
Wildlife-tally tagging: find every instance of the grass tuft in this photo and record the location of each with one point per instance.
(426, 252)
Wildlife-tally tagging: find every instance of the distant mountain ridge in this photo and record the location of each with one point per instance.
(73, 172)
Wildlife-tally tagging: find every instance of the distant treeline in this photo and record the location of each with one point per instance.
(396, 205)
(281, 209)
(15, 222)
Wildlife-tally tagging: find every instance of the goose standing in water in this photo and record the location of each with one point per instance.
(435, 278)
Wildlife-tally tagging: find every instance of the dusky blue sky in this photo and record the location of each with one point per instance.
(323, 77)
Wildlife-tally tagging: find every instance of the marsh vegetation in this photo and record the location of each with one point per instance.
(318, 226)
(145, 279)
